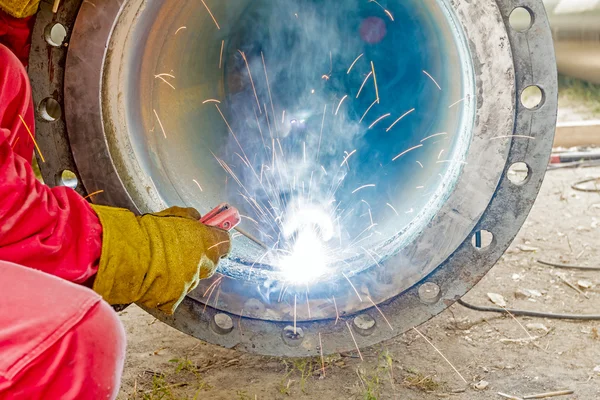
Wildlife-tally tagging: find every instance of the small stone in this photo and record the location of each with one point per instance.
(537, 327)
(585, 284)
(497, 299)
(527, 293)
(481, 385)
(597, 369)
(516, 277)
(528, 249)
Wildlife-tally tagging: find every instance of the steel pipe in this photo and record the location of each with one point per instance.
(389, 132)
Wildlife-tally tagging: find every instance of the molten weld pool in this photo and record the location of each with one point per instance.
(338, 128)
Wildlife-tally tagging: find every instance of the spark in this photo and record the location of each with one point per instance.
(407, 151)
(213, 284)
(199, 187)
(164, 74)
(339, 105)
(268, 84)
(248, 218)
(240, 322)
(326, 77)
(370, 255)
(355, 61)
(211, 14)
(441, 153)
(421, 165)
(380, 312)
(375, 81)
(321, 134)
(353, 287)
(363, 187)
(432, 136)
(231, 130)
(211, 101)
(363, 84)
(440, 353)
(250, 75)
(93, 194)
(389, 14)
(304, 152)
(366, 112)
(160, 123)
(431, 77)
(221, 56)
(513, 136)
(308, 304)
(32, 138)
(410, 211)
(420, 187)
(15, 143)
(324, 170)
(180, 28)
(459, 101)
(209, 296)
(337, 313)
(218, 244)
(322, 359)
(392, 207)
(165, 81)
(354, 340)
(295, 315)
(283, 117)
(400, 119)
(379, 119)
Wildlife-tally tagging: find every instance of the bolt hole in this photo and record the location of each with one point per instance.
(518, 173)
(532, 97)
(521, 19)
(68, 179)
(55, 34)
(482, 239)
(50, 109)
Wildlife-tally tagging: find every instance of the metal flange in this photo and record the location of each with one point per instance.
(438, 267)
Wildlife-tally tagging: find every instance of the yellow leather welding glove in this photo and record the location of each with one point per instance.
(20, 8)
(156, 259)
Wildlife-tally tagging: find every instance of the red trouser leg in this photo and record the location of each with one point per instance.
(58, 340)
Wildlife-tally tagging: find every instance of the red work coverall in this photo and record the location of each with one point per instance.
(58, 339)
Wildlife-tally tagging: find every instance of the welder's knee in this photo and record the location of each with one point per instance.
(59, 340)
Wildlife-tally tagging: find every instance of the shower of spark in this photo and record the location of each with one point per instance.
(300, 162)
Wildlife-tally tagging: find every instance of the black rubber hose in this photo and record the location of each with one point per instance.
(576, 317)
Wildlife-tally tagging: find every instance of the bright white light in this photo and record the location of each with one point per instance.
(308, 260)
(310, 227)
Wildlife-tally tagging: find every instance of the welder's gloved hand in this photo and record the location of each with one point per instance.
(156, 259)
(20, 8)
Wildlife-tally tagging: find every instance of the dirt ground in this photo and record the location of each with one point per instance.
(564, 226)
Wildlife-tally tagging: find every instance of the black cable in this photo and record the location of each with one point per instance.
(577, 317)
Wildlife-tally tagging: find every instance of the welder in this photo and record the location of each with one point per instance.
(63, 261)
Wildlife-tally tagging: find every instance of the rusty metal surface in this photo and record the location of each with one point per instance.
(505, 62)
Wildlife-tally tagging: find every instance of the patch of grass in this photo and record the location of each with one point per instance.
(164, 385)
(421, 382)
(373, 381)
(572, 89)
(243, 395)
